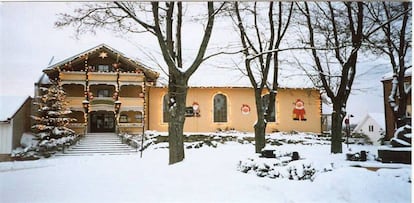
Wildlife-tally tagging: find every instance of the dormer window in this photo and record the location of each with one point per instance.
(103, 68)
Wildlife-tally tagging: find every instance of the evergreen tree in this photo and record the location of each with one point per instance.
(52, 119)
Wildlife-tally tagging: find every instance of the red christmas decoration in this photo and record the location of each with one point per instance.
(299, 111)
(245, 109)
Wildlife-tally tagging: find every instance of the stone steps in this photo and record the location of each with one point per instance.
(99, 143)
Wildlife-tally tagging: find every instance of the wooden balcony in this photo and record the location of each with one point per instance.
(131, 78)
(130, 125)
(72, 77)
(76, 125)
(131, 102)
(74, 102)
(102, 76)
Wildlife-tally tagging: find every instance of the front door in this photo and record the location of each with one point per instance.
(102, 121)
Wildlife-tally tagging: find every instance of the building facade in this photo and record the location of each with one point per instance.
(14, 125)
(211, 109)
(108, 92)
(390, 124)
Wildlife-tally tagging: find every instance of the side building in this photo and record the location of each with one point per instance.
(211, 109)
(390, 124)
(14, 122)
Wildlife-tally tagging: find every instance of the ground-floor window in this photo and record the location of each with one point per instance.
(220, 108)
(265, 105)
(165, 109)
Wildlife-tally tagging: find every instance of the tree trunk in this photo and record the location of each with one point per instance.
(336, 130)
(177, 91)
(260, 126)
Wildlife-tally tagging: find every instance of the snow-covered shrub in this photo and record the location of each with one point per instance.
(276, 168)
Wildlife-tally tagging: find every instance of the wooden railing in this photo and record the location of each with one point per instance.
(132, 101)
(102, 76)
(72, 76)
(130, 125)
(74, 101)
(131, 77)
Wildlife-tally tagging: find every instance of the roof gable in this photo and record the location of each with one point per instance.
(379, 118)
(103, 51)
(10, 105)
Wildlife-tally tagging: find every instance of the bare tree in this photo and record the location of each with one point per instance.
(261, 53)
(165, 23)
(394, 41)
(335, 34)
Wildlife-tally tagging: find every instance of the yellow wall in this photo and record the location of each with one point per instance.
(236, 97)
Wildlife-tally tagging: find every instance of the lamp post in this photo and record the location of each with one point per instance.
(117, 109)
(348, 128)
(85, 104)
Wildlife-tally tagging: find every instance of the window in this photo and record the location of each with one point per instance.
(165, 109)
(123, 118)
(265, 105)
(103, 68)
(371, 128)
(220, 108)
(139, 117)
(103, 93)
(189, 111)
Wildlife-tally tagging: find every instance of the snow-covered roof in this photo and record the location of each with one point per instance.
(379, 118)
(389, 75)
(44, 79)
(9, 105)
(210, 76)
(145, 68)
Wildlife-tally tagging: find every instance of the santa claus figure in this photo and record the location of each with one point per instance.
(299, 111)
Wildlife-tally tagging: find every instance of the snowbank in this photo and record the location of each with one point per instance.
(206, 175)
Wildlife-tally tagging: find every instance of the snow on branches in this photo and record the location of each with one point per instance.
(51, 119)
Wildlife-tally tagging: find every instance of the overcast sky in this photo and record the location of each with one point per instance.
(28, 41)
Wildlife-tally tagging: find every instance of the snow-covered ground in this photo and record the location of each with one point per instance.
(207, 174)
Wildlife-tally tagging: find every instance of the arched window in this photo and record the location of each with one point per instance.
(220, 108)
(165, 109)
(265, 105)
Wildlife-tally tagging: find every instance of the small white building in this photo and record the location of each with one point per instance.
(373, 125)
(14, 121)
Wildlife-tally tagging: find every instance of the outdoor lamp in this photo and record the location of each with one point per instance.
(85, 104)
(117, 106)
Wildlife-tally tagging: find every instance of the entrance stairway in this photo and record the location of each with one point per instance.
(99, 143)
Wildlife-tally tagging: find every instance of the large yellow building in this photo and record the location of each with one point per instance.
(108, 92)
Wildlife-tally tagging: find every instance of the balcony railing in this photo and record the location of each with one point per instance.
(79, 77)
(102, 76)
(130, 125)
(102, 100)
(74, 101)
(131, 101)
(131, 77)
(76, 77)
(76, 125)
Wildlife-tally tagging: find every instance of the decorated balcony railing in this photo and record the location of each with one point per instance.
(102, 100)
(128, 78)
(74, 102)
(131, 101)
(130, 125)
(77, 125)
(72, 77)
(102, 103)
(102, 76)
